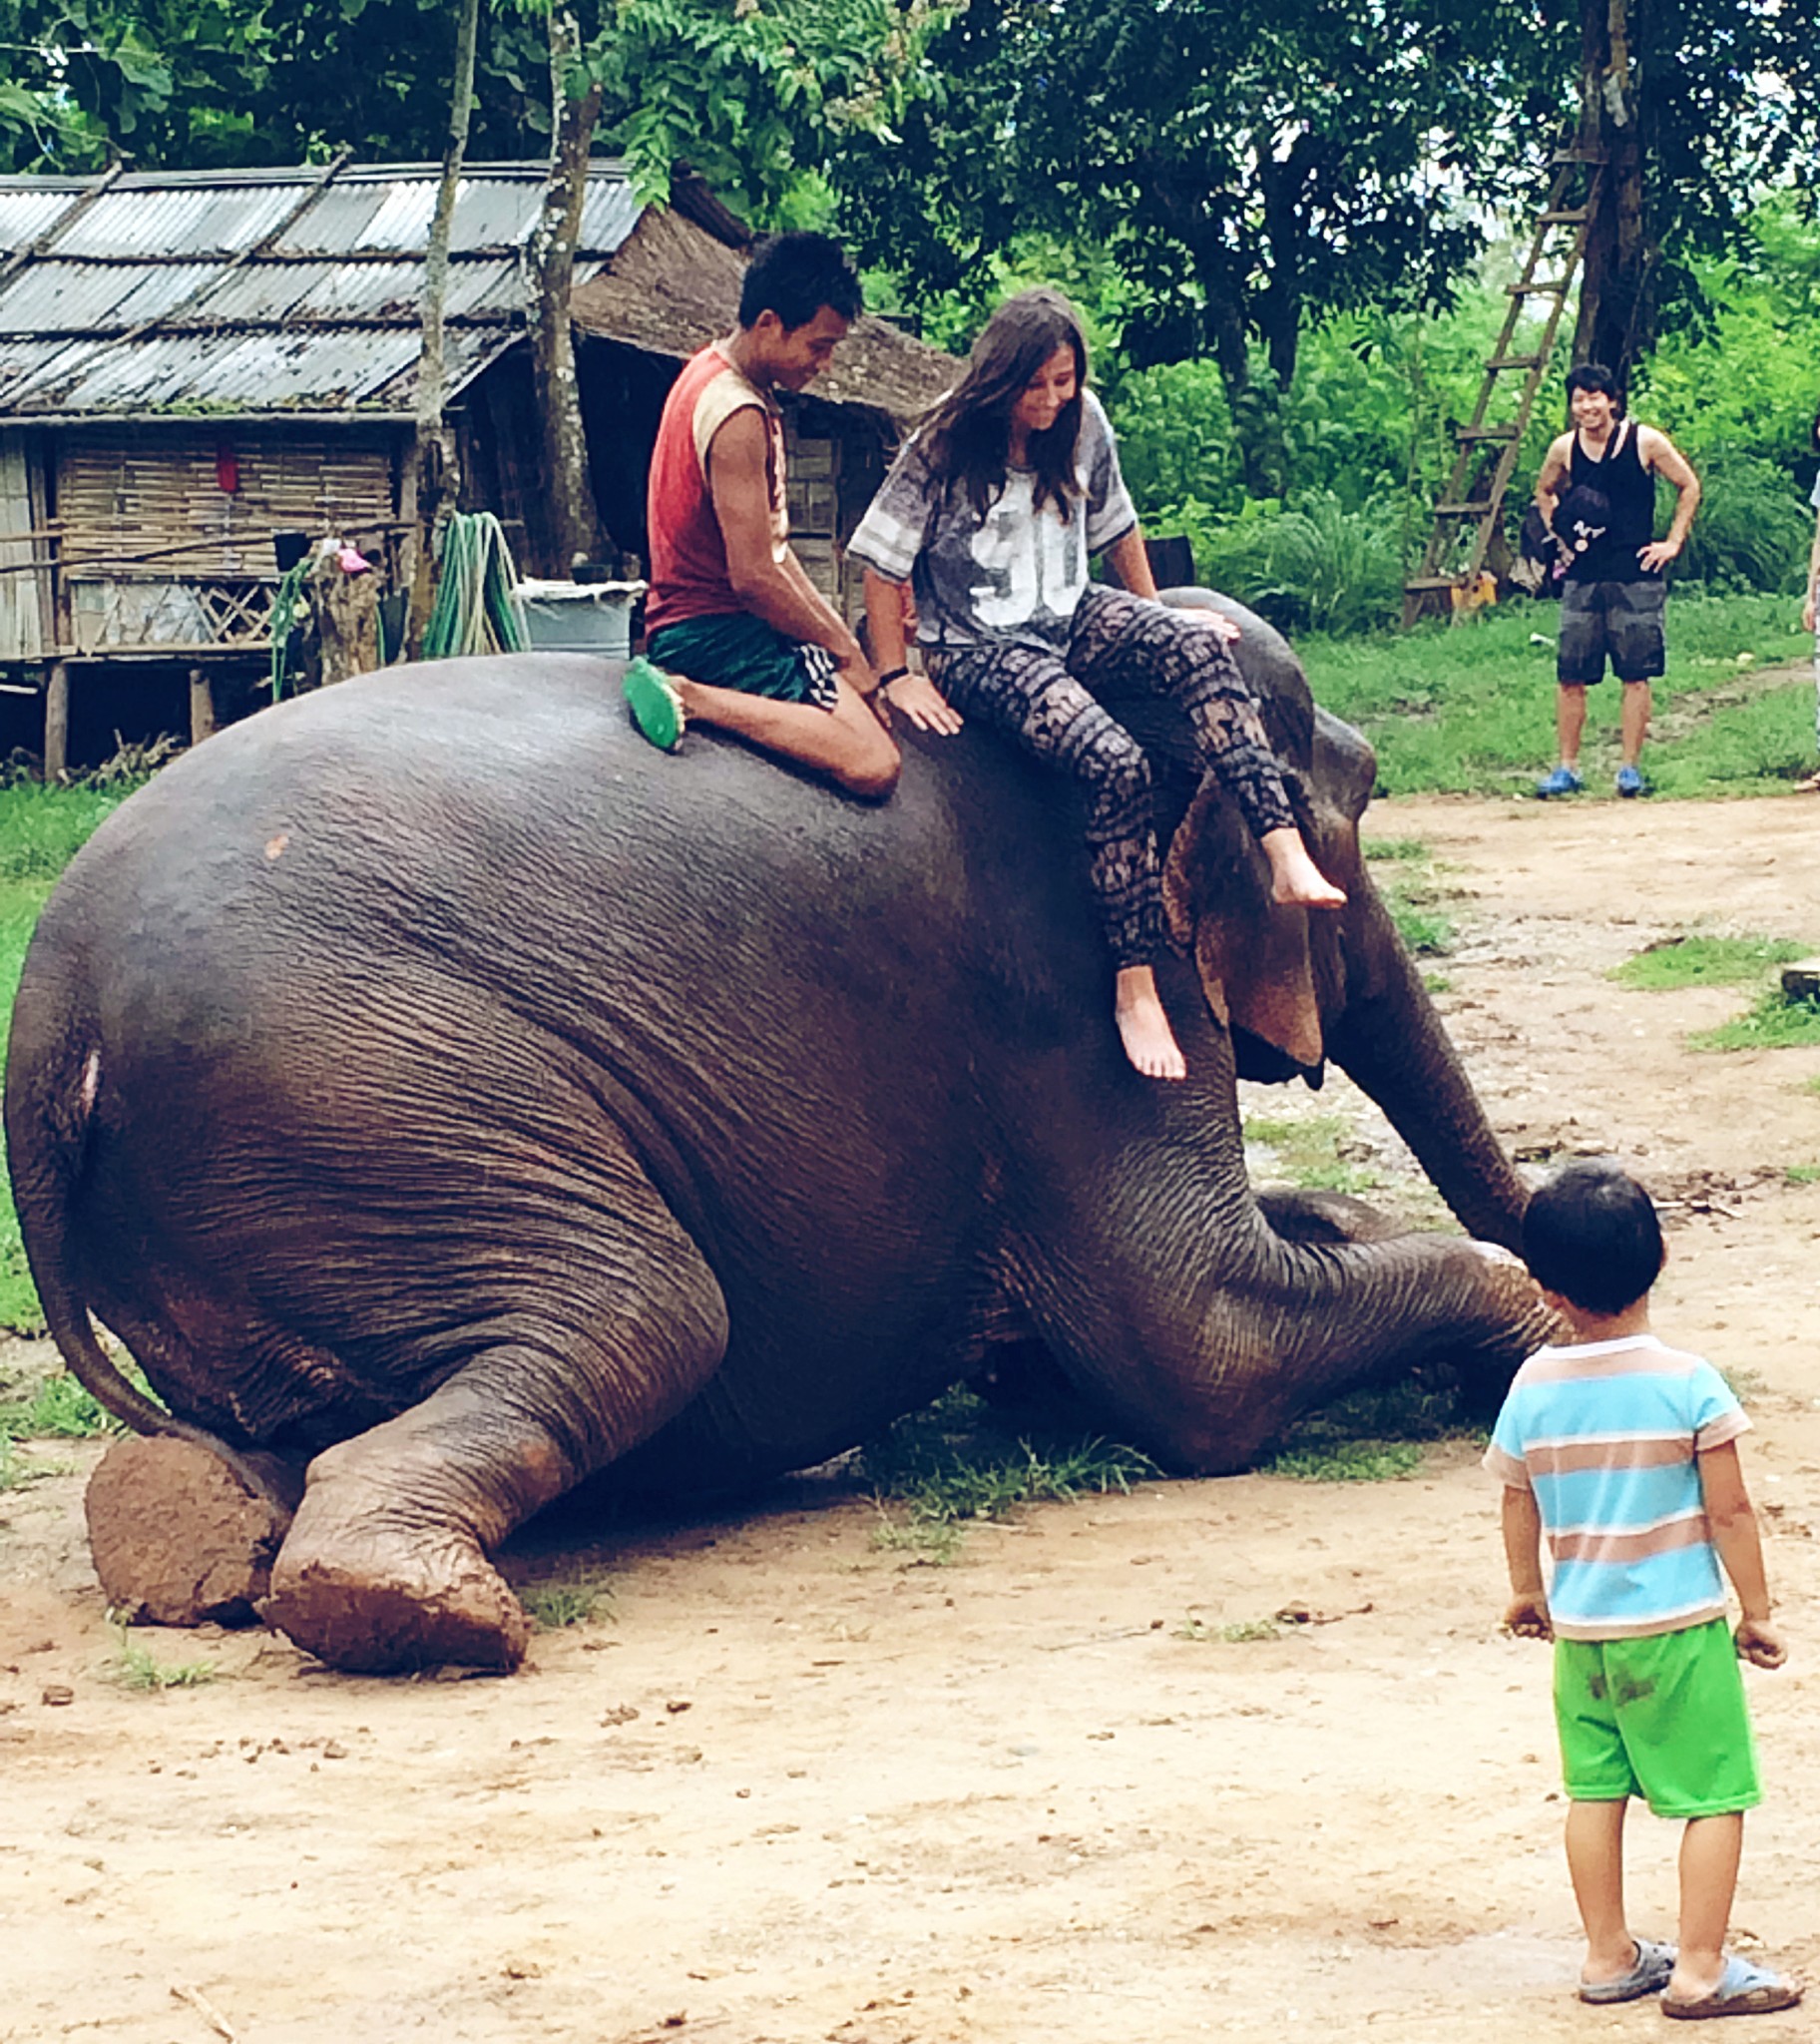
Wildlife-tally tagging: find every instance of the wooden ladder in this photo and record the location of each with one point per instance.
(1472, 506)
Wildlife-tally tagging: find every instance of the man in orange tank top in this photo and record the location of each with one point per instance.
(745, 640)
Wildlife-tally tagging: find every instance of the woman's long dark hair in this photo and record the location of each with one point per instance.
(968, 434)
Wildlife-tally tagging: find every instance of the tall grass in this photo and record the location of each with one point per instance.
(1317, 566)
(1752, 530)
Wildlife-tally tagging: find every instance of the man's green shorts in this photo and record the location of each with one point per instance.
(743, 652)
(1661, 1717)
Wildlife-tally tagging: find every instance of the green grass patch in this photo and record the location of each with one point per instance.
(1706, 961)
(1371, 1435)
(1469, 709)
(43, 829)
(1309, 1154)
(1412, 894)
(1242, 1632)
(1348, 1462)
(958, 1461)
(59, 1409)
(1775, 1023)
(553, 1607)
(1425, 932)
(137, 1667)
(16, 1471)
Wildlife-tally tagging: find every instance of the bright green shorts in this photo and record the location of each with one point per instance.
(1661, 1717)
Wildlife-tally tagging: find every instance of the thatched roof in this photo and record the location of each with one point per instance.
(671, 288)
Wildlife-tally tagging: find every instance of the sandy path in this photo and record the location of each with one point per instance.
(880, 1802)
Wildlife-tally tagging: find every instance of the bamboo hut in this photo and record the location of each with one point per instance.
(192, 362)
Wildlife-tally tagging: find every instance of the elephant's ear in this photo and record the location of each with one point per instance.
(1252, 952)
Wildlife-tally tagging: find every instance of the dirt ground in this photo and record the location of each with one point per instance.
(794, 1785)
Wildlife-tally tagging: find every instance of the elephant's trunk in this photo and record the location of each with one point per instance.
(1163, 1290)
(1390, 1041)
(1306, 1323)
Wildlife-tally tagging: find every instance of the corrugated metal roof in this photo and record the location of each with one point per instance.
(238, 372)
(25, 214)
(247, 321)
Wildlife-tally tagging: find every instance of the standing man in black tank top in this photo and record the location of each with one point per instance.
(1596, 490)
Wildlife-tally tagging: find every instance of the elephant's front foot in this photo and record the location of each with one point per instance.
(378, 1587)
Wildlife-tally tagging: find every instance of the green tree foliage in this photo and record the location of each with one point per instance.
(1699, 104)
(751, 95)
(754, 93)
(1362, 438)
(1254, 167)
(1247, 164)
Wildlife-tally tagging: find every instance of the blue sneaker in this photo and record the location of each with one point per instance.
(1630, 780)
(1564, 781)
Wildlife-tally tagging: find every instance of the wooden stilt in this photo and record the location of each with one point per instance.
(201, 705)
(57, 722)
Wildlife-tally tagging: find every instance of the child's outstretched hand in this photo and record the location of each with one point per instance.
(1759, 1643)
(1528, 1618)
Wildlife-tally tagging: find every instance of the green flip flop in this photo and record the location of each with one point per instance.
(657, 707)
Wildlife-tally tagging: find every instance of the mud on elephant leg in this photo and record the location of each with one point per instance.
(386, 1564)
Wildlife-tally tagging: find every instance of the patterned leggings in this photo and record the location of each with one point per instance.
(1046, 703)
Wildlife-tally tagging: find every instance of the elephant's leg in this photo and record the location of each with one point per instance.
(385, 1566)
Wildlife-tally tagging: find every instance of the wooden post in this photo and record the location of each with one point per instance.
(57, 722)
(201, 705)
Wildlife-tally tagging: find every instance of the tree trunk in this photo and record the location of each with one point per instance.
(1617, 323)
(1284, 182)
(1256, 421)
(436, 474)
(574, 526)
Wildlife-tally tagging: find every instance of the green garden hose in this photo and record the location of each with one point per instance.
(284, 601)
(475, 610)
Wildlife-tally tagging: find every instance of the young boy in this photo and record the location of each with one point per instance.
(1625, 1453)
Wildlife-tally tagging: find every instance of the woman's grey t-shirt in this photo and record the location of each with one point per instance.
(1016, 573)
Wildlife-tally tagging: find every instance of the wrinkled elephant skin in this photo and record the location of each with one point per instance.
(429, 1080)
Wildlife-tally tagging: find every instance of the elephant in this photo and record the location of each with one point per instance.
(438, 1089)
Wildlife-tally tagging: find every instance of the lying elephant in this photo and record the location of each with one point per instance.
(428, 1080)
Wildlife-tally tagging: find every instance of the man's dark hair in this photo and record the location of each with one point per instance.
(1590, 1233)
(1592, 376)
(794, 275)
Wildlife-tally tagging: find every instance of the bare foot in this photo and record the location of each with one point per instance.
(1294, 877)
(1144, 1028)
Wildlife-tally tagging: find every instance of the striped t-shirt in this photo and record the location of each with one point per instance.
(1605, 1433)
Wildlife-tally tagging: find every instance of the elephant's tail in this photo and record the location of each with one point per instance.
(53, 1086)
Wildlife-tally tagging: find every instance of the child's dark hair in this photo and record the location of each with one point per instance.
(1591, 1234)
(794, 275)
(967, 437)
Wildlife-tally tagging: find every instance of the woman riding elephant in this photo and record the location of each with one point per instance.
(991, 512)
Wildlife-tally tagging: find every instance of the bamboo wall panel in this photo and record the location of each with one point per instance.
(21, 615)
(121, 493)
